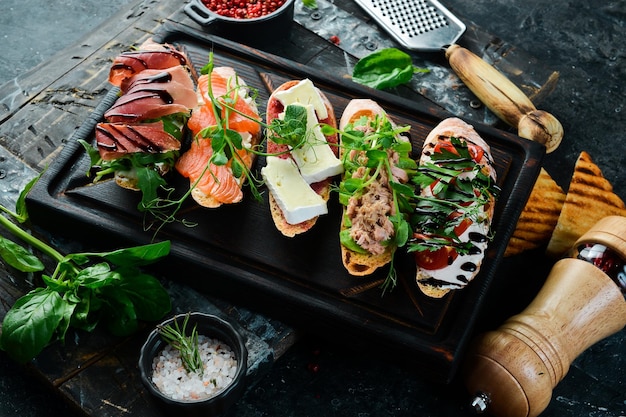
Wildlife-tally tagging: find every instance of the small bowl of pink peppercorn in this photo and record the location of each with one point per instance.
(246, 21)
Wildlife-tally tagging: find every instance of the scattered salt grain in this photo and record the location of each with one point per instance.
(173, 380)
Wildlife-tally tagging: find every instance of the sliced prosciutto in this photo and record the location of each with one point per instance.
(115, 140)
(178, 77)
(151, 55)
(151, 95)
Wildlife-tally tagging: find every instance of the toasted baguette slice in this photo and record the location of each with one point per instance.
(589, 198)
(274, 109)
(359, 263)
(538, 219)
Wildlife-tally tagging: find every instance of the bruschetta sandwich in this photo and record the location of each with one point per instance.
(299, 169)
(374, 190)
(454, 211)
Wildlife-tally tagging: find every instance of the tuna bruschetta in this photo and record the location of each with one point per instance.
(298, 172)
(454, 210)
(377, 166)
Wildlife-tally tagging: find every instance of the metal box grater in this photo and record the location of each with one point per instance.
(421, 25)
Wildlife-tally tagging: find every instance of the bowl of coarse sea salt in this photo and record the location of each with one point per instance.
(206, 391)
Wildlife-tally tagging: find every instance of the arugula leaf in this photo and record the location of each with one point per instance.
(459, 190)
(386, 68)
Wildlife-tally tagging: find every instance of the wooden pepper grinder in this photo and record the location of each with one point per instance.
(513, 370)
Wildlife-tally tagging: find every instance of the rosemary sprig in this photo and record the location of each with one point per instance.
(187, 346)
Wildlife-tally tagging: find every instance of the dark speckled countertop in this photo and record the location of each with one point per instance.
(581, 39)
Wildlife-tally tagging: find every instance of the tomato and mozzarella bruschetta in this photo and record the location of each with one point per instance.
(301, 160)
(225, 126)
(376, 200)
(454, 210)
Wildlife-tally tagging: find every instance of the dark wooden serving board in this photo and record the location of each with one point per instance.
(235, 251)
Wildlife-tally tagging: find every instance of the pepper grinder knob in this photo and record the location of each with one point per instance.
(513, 370)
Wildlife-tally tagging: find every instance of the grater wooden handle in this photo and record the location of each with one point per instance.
(504, 98)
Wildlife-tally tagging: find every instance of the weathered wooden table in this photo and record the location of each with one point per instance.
(41, 110)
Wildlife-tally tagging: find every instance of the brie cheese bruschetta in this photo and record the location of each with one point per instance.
(299, 170)
(377, 163)
(219, 159)
(454, 210)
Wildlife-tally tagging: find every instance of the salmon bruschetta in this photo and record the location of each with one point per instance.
(225, 127)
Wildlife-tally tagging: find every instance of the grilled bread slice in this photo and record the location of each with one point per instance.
(589, 198)
(538, 219)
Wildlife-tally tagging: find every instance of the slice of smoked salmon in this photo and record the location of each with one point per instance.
(225, 91)
(217, 182)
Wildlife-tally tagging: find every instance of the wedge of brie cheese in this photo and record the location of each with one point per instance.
(297, 200)
(315, 158)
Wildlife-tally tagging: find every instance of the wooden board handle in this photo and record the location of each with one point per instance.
(504, 98)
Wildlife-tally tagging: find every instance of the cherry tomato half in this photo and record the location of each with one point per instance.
(435, 259)
(475, 151)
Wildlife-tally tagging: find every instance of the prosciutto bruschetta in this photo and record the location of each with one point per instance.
(454, 210)
(140, 137)
(298, 172)
(377, 166)
(219, 158)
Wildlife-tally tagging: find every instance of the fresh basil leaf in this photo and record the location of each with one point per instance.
(30, 324)
(18, 257)
(96, 276)
(386, 68)
(85, 315)
(120, 315)
(20, 206)
(138, 255)
(59, 286)
(151, 301)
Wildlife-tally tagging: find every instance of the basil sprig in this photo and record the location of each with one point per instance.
(84, 290)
